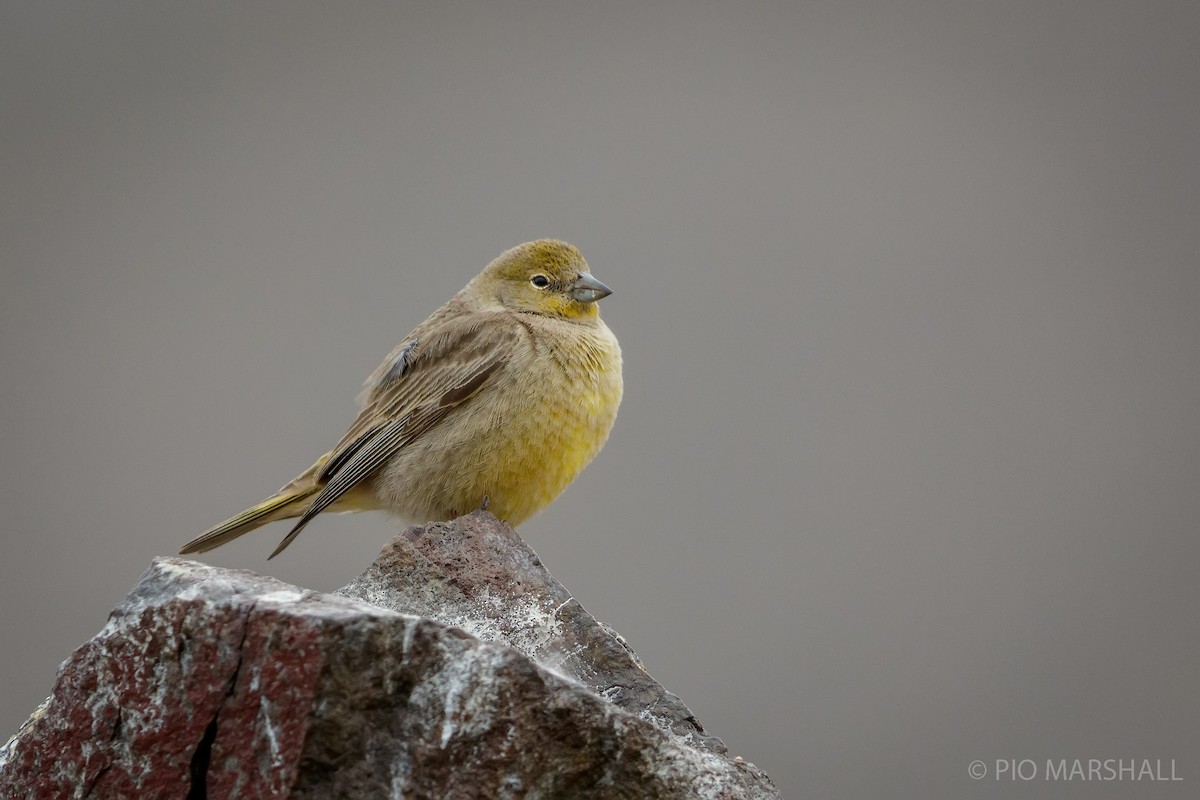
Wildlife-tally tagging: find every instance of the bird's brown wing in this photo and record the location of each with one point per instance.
(439, 367)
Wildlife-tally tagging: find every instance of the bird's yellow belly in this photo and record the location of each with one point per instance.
(528, 455)
(537, 468)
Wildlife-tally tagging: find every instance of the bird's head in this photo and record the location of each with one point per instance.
(546, 277)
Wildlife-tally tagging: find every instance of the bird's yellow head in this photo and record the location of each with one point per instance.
(546, 277)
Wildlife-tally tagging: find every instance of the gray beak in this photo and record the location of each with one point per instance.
(587, 289)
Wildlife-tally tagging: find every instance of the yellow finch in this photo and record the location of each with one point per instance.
(502, 396)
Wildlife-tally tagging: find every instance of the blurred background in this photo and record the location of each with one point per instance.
(907, 469)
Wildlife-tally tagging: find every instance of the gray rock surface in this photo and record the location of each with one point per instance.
(454, 667)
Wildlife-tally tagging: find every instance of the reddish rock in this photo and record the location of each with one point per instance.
(220, 683)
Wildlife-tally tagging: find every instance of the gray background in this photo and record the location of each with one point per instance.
(906, 472)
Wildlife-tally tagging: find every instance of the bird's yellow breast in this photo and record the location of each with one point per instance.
(544, 419)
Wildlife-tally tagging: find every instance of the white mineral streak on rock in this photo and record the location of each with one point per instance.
(268, 726)
(282, 596)
(467, 683)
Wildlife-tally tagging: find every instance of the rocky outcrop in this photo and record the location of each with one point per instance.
(455, 666)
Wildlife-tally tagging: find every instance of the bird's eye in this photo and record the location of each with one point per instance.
(540, 281)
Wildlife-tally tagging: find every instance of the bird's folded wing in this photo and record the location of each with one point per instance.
(432, 372)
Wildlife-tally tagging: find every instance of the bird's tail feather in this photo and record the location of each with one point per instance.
(290, 502)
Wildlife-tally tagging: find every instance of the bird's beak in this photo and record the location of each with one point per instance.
(587, 289)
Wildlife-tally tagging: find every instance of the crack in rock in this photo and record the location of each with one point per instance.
(199, 765)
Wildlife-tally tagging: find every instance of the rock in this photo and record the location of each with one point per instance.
(209, 682)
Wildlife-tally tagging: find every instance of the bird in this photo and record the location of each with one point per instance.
(498, 400)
